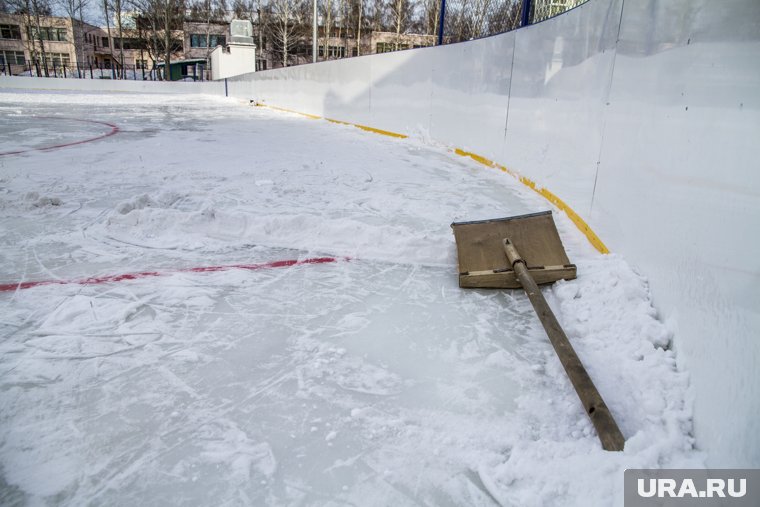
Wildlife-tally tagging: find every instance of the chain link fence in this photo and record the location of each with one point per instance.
(544, 9)
(472, 19)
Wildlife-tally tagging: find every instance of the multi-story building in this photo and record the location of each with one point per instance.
(56, 46)
(48, 44)
(60, 46)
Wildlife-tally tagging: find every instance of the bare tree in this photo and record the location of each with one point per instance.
(430, 16)
(341, 22)
(328, 20)
(157, 20)
(400, 12)
(359, 23)
(353, 20)
(286, 27)
(208, 12)
(32, 11)
(74, 9)
(117, 10)
(377, 15)
(146, 25)
(107, 17)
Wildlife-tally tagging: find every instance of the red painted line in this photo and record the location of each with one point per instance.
(114, 130)
(6, 287)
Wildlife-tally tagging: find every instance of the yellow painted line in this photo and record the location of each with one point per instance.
(543, 192)
(337, 121)
(315, 117)
(381, 132)
(546, 194)
(483, 160)
(369, 129)
(312, 116)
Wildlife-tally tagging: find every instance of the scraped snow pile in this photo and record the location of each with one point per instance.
(371, 380)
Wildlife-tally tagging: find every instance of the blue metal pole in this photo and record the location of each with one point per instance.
(525, 20)
(440, 22)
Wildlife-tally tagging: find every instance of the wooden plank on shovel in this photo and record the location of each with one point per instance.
(480, 253)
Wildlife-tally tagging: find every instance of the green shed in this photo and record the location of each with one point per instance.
(180, 70)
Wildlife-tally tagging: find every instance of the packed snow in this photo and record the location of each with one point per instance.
(371, 380)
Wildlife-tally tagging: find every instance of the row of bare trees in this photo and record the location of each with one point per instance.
(282, 28)
(285, 23)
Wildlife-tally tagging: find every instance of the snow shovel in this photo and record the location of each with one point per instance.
(524, 251)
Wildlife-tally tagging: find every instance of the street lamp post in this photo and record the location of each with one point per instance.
(314, 35)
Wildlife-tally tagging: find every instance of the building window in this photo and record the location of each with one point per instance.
(387, 47)
(104, 41)
(10, 32)
(141, 64)
(129, 43)
(198, 40)
(57, 59)
(48, 33)
(333, 51)
(12, 58)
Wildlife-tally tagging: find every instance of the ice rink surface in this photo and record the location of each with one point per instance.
(371, 380)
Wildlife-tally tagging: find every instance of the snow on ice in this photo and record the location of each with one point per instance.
(373, 380)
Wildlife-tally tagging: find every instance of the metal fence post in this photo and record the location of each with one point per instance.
(441, 22)
(525, 19)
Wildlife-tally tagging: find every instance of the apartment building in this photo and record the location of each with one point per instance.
(59, 45)
(51, 43)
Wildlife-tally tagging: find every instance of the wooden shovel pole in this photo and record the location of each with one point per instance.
(608, 431)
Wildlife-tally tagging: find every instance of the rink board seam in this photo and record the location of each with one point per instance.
(553, 198)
